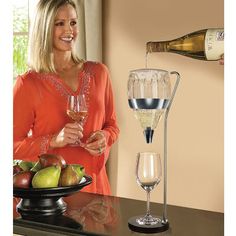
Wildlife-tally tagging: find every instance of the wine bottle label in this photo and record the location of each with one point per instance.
(214, 44)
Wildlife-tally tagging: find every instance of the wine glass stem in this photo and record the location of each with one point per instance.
(148, 202)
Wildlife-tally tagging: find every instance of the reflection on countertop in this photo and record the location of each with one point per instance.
(100, 214)
(93, 214)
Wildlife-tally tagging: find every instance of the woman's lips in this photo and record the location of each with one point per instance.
(66, 39)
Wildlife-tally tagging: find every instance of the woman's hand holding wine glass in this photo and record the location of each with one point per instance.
(69, 135)
(72, 133)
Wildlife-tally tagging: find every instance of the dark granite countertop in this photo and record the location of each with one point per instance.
(92, 214)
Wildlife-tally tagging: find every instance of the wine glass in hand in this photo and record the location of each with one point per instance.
(148, 174)
(77, 110)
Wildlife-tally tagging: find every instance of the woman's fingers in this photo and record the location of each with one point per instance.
(96, 140)
(74, 126)
(96, 143)
(95, 152)
(71, 133)
(97, 135)
(73, 130)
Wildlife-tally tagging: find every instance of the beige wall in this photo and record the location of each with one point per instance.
(195, 142)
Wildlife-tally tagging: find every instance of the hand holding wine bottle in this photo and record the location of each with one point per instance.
(222, 60)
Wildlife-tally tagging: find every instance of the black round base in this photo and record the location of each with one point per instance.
(148, 229)
(40, 207)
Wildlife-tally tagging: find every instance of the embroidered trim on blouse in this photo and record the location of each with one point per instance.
(85, 85)
(58, 86)
(86, 76)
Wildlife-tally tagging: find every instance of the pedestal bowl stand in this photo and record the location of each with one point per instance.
(40, 202)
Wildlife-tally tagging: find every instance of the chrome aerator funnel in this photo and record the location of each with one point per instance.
(149, 94)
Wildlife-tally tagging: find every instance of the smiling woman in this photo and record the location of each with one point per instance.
(41, 96)
(59, 21)
(65, 29)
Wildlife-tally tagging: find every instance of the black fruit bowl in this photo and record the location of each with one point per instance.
(37, 202)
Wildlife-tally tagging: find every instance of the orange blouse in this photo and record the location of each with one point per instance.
(40, 102)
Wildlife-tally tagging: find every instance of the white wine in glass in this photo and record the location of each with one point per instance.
(77, 110)
(148, 175)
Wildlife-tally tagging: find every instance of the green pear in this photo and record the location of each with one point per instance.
(68, 176)
(37, 166)
(80, 170)
(26, 165)
(47, 177)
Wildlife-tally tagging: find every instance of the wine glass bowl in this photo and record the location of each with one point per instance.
(77, 109)
(148, 176)
(148, 170)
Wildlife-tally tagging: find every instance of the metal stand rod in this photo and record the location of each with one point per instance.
(165, 220)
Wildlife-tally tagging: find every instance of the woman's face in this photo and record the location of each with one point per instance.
(65, 28)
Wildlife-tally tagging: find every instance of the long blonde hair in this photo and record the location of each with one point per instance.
(40, 50)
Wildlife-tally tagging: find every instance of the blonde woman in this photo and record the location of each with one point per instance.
(41, 94)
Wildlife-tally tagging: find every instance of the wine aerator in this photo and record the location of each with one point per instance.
(150, 97)
(149, 94)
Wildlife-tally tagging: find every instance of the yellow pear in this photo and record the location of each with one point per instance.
(47, 177)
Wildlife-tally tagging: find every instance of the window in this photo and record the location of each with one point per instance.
(20, 36)
(22, 11)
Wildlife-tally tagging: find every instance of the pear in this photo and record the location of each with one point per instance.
(26, 165)
(51, 159)
(68, 176)
(80, 170)
(47, 177)
(37, 166)
(22, 179)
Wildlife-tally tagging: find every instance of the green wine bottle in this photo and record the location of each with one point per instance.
(207, 44)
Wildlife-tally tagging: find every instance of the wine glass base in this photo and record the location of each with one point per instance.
(144, 228)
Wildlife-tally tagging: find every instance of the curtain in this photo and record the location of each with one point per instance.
(89, 43)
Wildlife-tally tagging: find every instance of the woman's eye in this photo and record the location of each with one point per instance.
(59, 24)
(73, 23)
